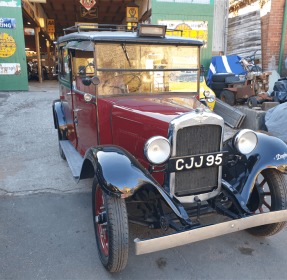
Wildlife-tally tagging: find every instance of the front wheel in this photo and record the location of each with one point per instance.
(269, 194)
(111, 229)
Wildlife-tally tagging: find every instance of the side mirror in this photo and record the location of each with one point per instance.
(95, 80)
(87, 81)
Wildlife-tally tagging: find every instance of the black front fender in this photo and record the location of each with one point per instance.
(120, 174)
(116, 170)
(271, 152)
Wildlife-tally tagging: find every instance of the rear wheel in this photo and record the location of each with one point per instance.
(111, 229)
(228, 97)
(269, 194)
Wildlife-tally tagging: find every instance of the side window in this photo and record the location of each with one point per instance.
(83, 66)
(64, 63)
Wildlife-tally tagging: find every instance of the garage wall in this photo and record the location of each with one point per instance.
(244, 35)
(13, 67)
(187, 11)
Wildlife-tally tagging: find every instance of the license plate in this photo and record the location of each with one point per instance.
(177, 164)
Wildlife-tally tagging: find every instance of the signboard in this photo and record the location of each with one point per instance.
(10, 3)
(88, 4)
(132, 14)
(9, 23)
(91, 14)
(190, 29)
(50, 26)
(7, 45)
(10, 69)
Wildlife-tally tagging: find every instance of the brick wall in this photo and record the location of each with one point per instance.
(271, 25)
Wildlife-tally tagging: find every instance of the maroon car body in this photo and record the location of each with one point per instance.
(157, 155)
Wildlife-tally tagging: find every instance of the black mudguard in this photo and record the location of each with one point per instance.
(271, 152)
(120, 174)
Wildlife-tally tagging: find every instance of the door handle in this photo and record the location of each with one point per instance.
(77, 110)
(69, 93)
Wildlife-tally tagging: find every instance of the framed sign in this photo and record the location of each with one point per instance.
(9, 23)
(7, 45)
(88, 4)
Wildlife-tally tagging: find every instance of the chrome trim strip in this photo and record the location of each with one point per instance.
(200, 116)
(194, 235)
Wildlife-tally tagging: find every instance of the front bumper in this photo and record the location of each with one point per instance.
(194, 235)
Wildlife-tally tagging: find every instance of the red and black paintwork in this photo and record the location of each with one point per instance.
(125, 124)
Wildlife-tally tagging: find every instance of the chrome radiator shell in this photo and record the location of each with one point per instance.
(208, 127)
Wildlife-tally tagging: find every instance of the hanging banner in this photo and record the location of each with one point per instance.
(9, 23)
(10, 68)
(88, 4)
(7, 45)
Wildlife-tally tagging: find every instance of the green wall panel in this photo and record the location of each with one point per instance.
(9, 78)
(177, 10)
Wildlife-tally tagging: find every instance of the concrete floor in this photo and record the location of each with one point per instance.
(46, 229)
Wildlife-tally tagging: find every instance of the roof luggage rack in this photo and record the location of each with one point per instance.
(99, 27)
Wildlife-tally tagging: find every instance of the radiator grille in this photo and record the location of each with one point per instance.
(195, 140)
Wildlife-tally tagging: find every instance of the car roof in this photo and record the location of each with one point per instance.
(126, 37)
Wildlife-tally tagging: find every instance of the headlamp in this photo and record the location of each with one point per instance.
(157, 150)
(245, 141)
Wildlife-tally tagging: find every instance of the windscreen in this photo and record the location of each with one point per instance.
(131, 68)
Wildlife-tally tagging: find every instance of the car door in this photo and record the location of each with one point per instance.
(85, 111)
(65, 84)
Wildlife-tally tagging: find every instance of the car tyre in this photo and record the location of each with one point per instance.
(111, 229)
(228, 97)
(252, 102)
(269, 194)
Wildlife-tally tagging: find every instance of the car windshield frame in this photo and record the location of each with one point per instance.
(136, 68)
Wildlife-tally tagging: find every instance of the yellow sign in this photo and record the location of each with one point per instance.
(50, 25)
(7, 45)
(132, 14)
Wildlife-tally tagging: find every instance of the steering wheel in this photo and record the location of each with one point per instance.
(124, 82)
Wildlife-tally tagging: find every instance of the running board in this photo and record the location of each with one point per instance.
(74, 159)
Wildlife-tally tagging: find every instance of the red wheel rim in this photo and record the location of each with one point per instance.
(101, 222)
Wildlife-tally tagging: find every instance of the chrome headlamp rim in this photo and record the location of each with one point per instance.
(207, 93)
(148, 145)
(209, 96)
(239, 139)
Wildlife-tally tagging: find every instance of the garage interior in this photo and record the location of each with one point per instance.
(40, 38)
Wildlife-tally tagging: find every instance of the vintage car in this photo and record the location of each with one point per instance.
(157, 155)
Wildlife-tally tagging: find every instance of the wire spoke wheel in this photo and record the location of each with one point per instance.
(111, 229)
(269, 194)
